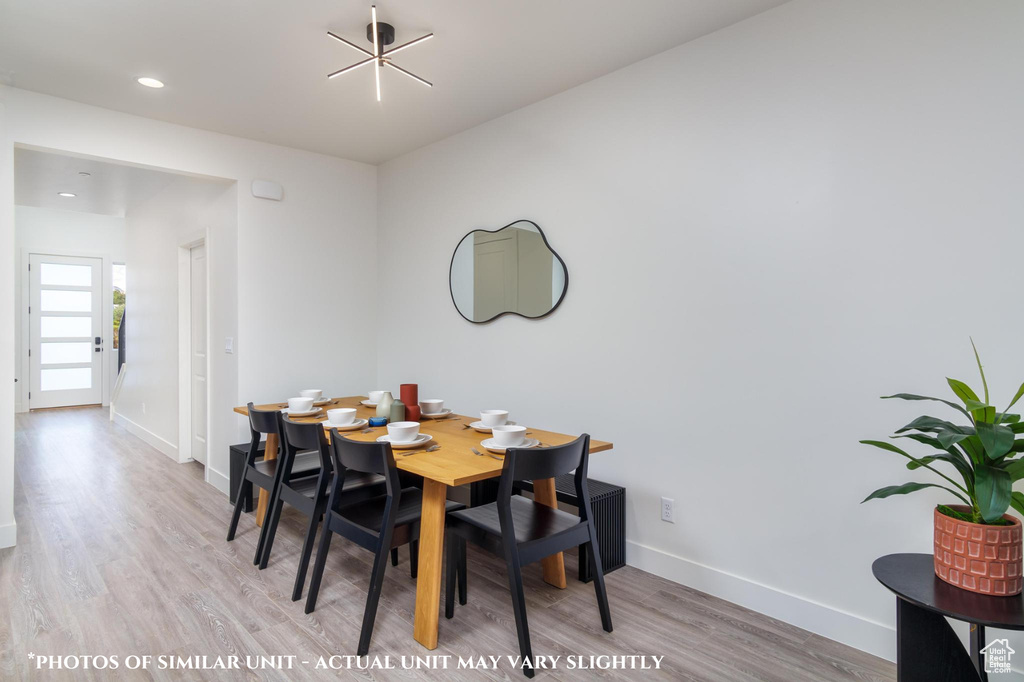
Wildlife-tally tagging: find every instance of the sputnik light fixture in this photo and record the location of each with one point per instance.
(380, 34)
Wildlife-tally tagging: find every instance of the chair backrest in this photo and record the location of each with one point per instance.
(369, 458)
(301, 437)
(261, 422)
(539, 463)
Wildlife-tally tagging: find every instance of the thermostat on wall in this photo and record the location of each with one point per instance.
(266, 189)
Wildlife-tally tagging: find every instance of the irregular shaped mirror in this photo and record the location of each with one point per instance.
(511, 270)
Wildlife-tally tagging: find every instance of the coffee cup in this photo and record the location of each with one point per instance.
(493, 418)
(403, 432)
(300, 404)
(314, 393)
(342, 416)
(375, 396)
(509, 436)
(432, 406)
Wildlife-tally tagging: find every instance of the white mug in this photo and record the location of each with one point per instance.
(493, 418)
(509, 436)
(300, 404)
(343, 416)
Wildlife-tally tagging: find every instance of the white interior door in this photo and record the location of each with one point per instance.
(198, 325)
(66, 321)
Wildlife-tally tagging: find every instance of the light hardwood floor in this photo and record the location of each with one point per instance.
(121, 551)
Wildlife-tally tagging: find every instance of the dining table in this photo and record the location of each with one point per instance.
(454, 463)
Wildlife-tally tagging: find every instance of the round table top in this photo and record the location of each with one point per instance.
(912, 577)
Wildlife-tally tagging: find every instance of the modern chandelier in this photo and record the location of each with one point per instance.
(380, 34)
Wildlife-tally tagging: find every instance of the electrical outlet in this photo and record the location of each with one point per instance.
(666, 510)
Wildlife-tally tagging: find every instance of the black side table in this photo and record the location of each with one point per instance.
(927, 649)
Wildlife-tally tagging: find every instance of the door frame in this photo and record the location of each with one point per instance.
(24, 404)
(185, 345)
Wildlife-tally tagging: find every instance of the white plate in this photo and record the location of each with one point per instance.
(357, 424)
(483, 428)
(322, 401)
(310, 413)
(436, 415)
(489, 444)
(367, 403)
(421, 439)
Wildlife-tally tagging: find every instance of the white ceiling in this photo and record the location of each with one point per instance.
(108, 189)
(257, 68)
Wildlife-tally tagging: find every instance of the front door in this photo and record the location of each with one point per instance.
(65, 318)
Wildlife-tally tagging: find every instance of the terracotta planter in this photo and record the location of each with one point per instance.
(976, 557)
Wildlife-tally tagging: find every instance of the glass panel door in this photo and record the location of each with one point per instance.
(65, 317)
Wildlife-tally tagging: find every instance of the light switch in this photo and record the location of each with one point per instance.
(229, 345)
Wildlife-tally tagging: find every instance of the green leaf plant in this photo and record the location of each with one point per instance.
(982, 457)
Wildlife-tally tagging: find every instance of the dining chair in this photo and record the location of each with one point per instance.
(308, 496)
(523, 531)
(379, 524)
(265, 473)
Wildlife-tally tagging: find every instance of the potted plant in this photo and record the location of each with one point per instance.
(977, 544)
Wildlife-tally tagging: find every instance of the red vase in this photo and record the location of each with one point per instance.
(410, 394)
(412, 413)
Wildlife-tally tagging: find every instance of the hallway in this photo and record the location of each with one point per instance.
(112, 532)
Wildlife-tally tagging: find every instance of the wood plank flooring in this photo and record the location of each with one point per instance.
(121, 552)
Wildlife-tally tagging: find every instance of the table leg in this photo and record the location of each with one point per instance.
(431, 549)
(977, 644)
(553, 566)
(269, 454)
(927, 649)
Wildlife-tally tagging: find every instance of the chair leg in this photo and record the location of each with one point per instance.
(394, 556)
(237, 512)
(271, 531)
(515, 582)
(414, 558)
(318, 566)
(602, 594)
(307, 550)
(451, 556)
(380, 562)
(462, 575)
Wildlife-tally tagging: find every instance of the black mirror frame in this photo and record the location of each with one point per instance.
(565, 269)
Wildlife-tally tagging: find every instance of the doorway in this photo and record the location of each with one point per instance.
(198, 351)
(66, 336)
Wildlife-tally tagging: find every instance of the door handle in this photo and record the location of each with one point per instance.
(99, 341)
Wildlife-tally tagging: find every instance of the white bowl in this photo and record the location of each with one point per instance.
(493, 417)
(300, 404)
(314, 393)
(432, 406)
(403, 432)
(509, 436)
(375, 396)
(342, 416)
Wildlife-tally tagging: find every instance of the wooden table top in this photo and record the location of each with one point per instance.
(454, 463)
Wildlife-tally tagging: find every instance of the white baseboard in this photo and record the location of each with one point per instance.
(8, 535)
(856, 631)
(18, 407)
(146, 435)
(218, 480)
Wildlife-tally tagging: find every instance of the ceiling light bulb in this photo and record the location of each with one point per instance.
(150, 82)
(373, 14)
(65, 194)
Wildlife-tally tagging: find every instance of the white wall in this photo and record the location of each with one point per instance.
(321, 236)
(765, 230)
(148, 401)
(56, 232)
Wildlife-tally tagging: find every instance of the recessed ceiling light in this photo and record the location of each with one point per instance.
(66, 194)
(84, 174)
(150, 82)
